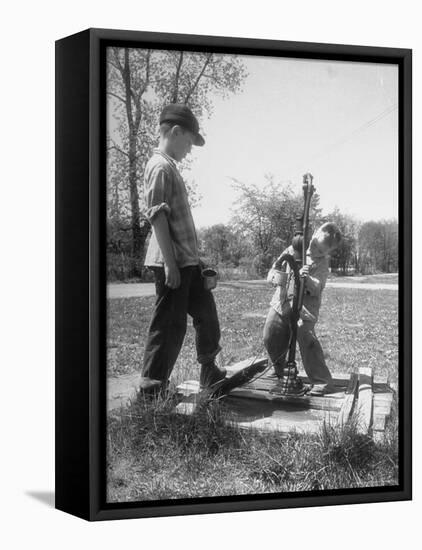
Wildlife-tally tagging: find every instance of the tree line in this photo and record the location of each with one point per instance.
(263, 225)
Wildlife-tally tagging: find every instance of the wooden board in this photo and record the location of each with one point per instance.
(326, 403)
(268, 417)
(378, 423)
(349, 400)
(383, 402)
(253, 406)
(380, 379)
(365, 396)
(261, 387)
(232, 369)
(378, 427)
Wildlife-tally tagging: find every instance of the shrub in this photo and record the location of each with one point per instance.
(122, 267)
(262, 264)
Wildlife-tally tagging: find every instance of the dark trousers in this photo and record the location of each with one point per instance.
(169, 320)
(276, 340)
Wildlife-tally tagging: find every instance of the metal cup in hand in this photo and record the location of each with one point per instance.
(209, 277)
(277, 277)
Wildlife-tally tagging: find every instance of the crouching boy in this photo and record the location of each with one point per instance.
(173, 256)
(277, 325)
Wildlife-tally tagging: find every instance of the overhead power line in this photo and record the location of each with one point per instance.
(354, 132)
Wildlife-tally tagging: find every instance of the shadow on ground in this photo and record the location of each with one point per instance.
(45, 497)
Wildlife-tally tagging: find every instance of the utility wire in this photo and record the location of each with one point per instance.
(352, 134)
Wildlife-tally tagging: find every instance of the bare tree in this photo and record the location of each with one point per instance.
(139, 83)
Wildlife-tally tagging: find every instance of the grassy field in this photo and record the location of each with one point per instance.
(356, 328)
(155, 454)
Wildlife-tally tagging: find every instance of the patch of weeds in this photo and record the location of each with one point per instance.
(166, 455)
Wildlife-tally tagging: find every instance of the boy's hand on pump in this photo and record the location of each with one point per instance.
(304, 271)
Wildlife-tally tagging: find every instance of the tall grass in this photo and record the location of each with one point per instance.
(154, 453)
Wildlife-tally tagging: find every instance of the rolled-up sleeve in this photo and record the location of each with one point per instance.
(157, 193)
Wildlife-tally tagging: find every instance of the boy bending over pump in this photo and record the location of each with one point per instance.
(277, 325)
(173, 256)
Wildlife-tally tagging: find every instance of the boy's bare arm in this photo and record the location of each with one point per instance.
(288, 250)
(165, 243)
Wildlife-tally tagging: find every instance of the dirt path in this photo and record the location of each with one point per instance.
(137, 290)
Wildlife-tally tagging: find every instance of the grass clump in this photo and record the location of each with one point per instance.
(154, 454)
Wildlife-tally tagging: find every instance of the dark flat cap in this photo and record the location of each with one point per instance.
(180, 114)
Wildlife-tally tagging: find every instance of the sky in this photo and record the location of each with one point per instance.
(337, 120)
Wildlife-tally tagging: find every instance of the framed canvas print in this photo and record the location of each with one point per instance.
(233, 232)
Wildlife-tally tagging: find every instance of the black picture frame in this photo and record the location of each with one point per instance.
(81, 284)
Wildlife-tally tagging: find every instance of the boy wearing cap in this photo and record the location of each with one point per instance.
(277, 325)
(173, 256)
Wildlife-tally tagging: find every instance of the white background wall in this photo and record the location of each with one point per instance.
(27, 272)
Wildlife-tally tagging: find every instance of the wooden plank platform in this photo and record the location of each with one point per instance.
(349, 399)
(253, 406)
(365, 397)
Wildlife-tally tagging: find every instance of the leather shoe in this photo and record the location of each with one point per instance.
(150, 387)
(211, 374)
